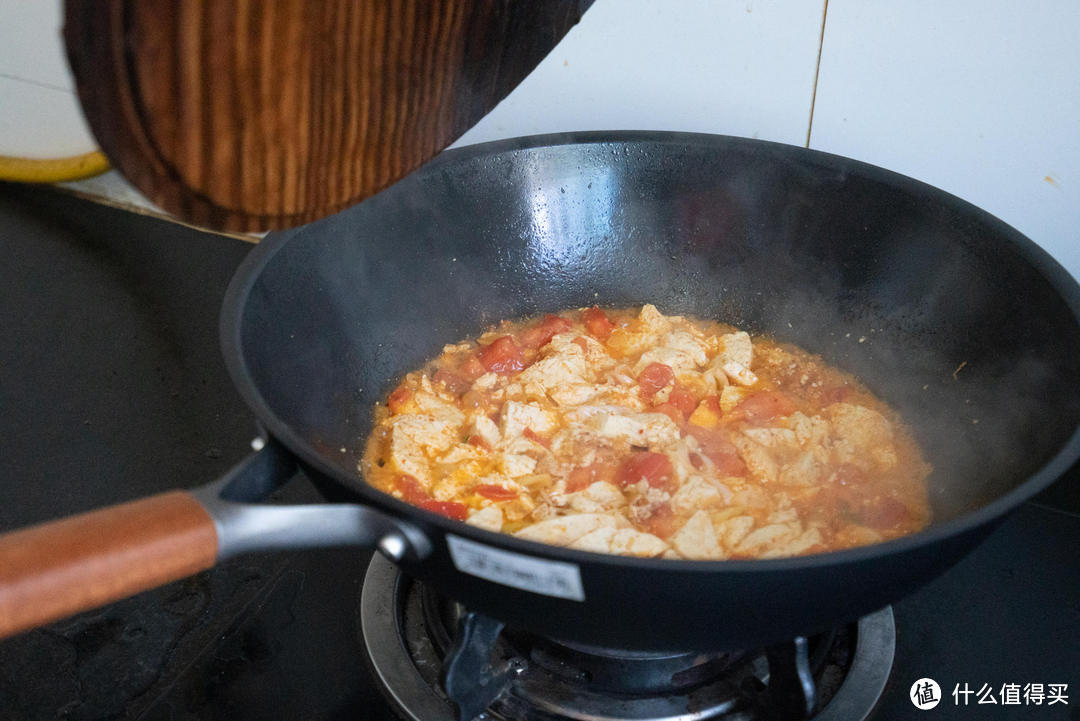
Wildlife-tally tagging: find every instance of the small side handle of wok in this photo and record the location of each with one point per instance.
(60, 568)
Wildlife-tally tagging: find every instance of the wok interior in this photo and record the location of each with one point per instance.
(920, 295)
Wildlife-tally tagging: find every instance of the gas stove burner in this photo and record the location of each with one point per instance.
(416, 641)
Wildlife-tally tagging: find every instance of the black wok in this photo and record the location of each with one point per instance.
(961, 323)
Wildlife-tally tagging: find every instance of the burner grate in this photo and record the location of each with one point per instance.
(416, 640)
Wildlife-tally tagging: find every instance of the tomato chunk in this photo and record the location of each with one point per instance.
(398, 398)
(540, 335)
(653, 468)
(412, 491)
(765, 406)
(653, 377)
(682, 399)
(450, 509)
(597, 323)
(534, 436)
(496, 492)
(502, 356)
(662, 522)
(719, 450)
(454, 382)
(475, 440)
(584, 476)
(472, 368)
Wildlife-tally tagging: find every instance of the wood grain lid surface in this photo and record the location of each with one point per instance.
(254, 115)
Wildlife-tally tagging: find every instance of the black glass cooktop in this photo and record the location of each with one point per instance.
(112, 387)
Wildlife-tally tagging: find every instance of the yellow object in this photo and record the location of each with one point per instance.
(703, 416)
(52, 170)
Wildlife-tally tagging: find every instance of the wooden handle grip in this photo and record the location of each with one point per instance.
(59, 568)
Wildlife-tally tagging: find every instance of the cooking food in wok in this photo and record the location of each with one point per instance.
(643, 434)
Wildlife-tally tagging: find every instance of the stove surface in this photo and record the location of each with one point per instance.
(112, 387)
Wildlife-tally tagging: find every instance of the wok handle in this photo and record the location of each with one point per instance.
(60, 568)
(75, 564)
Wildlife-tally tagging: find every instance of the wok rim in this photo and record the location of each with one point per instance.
(1041, 261)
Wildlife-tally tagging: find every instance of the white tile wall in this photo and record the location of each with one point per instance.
(739, 67)
(39, 113)
(977, 97)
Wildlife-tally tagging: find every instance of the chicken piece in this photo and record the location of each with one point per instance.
(489, 518)
(407, 456)
(486, 382)
(485, 429)
(734, 348)
(803, 471)
(631, 542)
(413, 437)
(697, 539)
(777, 439)
(809, 537)
(562, 367)
(650, 320)
(731, 531)
(574, 394)
(732, 396)
(619, 395)
(429, 404)
(515, 464)
(771, 538)
(861, 432)
(697, 493)
(643, 334)
(517, 416)
(600, 496)
(757, 458)
(809, 430)
(654, 430)
(740, 374)
(622, 541)
(460, 453)
(598, 541)
(596, 356)
(564, 530)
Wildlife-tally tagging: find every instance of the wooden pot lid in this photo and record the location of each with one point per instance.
(254, 115)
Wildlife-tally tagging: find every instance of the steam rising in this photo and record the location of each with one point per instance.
(883, 279)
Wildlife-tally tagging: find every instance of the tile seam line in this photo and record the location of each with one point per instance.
(817, 71)
(36, 83)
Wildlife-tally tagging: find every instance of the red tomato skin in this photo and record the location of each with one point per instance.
(540, 335)
(475, 440)
(654, 468)
(472, 368)
(502, 356)
(398, 398)
(534, 436)
(682, 399)
(597, 323)
(584, 476)
(662, 522)
(495, 492)
(719, 450)
(450, 509)
(653, 377)
(764, 406)
(412, 491)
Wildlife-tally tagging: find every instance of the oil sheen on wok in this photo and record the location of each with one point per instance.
(643, 434)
